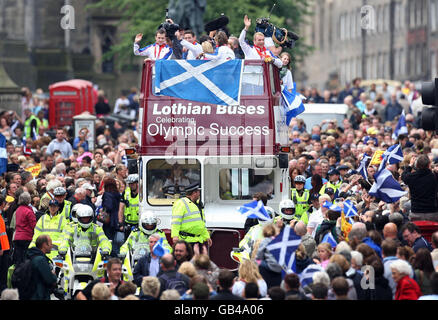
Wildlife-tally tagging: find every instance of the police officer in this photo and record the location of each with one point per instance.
(139, 237)
(64, 205)
(246, 245)
(334, 182)
(300, 196)
(188, 219)
(286, 210)
(85, 231)
(53, 224)
(130, 204)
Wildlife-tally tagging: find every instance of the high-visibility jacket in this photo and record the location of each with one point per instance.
(74, 235)
(66, 210)
(301, 202)
(138, 241)
(4, 241)
(254, 233)
(52, 226)
(328, 184)
(187, 218)
(27, 127)
(131, 210)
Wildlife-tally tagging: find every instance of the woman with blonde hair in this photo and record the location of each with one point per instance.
(285, 73)
(249, 272)
(188, 269)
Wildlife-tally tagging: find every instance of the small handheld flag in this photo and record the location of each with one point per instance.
(255, 209)
(159, 250)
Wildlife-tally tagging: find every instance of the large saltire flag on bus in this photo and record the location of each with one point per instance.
(207, 81)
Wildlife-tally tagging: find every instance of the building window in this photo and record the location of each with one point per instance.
(418, 10)
(342, 26)
(433, 65)
(347, 26)
(433, 13)
(411, 10)
(385, 18)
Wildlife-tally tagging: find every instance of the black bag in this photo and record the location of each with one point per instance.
(22, 280)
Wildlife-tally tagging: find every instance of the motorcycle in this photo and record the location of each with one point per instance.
(79, 267)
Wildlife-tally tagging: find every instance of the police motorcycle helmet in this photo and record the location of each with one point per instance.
(74, 209)
(300, 179)
(148, 222)
(132, 178)
(271, 213)
(84, 216)
(287, 209)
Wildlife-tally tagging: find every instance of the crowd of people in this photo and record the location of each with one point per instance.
(77, 191)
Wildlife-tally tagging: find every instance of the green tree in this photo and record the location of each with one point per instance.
(144, 16)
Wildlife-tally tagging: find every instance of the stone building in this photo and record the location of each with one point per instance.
(36, 50)
(371, 39)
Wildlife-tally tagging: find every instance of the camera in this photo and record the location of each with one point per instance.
(281, 36)
(170, 28)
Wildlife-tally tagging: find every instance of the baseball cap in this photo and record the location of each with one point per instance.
(333, 171)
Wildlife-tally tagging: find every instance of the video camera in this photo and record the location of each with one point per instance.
(170, 28)
(281, 36)
(429, 115)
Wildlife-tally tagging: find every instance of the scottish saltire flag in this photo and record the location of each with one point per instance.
(283, 248)
(3, 154)
(208, 81)
(401, 127)
(363, 166)
(293, 103)
(386, 187)
(159, 250)
(306, 277)
(329, 239)
(255, 209)
(349, 209)
(393, 155)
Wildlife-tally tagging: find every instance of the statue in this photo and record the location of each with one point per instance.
(188, 14)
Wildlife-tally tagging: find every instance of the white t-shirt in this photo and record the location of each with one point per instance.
(315, 219)
(239, 287)
(288, 81)
(223, 53)
(120, 102)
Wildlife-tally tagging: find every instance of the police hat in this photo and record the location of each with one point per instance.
(333, 171)
(192, 187)
(343, 167)
(217, 24)
(314, 196)
(329, 191)
(53, 202)
(59, 191)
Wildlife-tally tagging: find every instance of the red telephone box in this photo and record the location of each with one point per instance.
(68, 99)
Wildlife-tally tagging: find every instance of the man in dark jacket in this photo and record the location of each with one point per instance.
(225, 282)
(43, 274)
(170, 278)
(149, 264)
(393, 108)
(423, 187)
